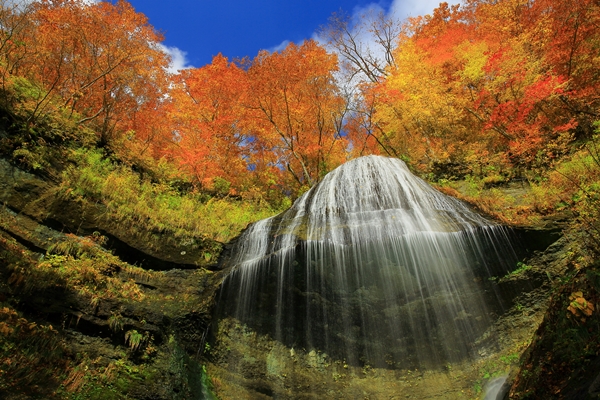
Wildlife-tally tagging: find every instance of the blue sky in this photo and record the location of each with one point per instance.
(197, 30)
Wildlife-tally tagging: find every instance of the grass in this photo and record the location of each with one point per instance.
(157, 206)
(78, 264)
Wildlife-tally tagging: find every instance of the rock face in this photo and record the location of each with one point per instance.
(563, 360)
(114, 327)
(42, 200)
(246, 363)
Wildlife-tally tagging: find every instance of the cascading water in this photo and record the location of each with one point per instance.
(371, 266)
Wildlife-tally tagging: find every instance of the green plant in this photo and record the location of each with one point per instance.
(521, 269)
(208, 385)
(134, 339)
(116, 322)
(510, 358)
(157, 206)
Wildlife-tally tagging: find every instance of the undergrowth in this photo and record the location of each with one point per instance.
(156, 206)
(81, 265)
(31, 354)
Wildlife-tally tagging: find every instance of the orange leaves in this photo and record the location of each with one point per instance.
(296, 111)
(580, 307)
(440, 33)
(102, 59)
(207, 114)
(280, 115)
(100, 64)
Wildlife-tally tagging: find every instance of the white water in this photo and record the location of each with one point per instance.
(494, 389)
(372, 266)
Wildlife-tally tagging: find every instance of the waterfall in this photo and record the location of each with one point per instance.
(371, 266)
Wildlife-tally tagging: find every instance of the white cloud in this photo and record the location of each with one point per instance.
(179, 59)
(280, 47)
(399, 10)
(403, 9)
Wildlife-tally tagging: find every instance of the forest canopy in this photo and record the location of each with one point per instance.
(488, 85)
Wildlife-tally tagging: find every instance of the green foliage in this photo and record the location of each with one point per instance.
(32, 160)
(207, 385)
(157, 206)
(81, 265)
(37, 118)
(134, 339)
(492, 201)
(520, 270)
(221, 186)
(116, 322)
(510, 359)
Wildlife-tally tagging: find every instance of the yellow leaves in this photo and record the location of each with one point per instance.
(475, 57)
(12, 322)
(5, 329)
(418, 100)
(579, 306)
(16, 278)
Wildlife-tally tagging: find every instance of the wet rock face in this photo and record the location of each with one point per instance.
(374, 267)
(246, 361)
(308, 303)
(360, 322)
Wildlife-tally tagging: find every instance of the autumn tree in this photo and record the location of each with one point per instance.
(517, 95)
(473, 84)
(296, 112)
(207, 116)
(15, 23)
(102, 59)
(568, 39)
(414, 112)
